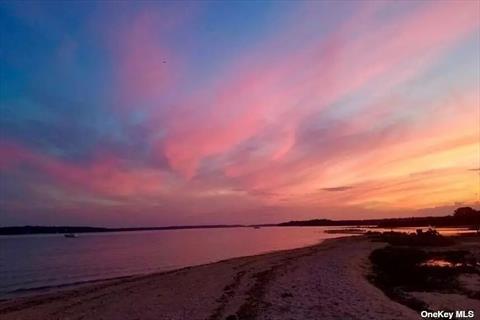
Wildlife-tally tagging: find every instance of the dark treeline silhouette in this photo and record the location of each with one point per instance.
(70, 229)
(465, 216)
(42, 229)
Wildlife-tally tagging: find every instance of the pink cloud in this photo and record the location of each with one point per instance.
(283, 120)
(105, 176)
(281, 92)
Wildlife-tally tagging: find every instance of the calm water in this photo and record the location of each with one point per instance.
(28, 262)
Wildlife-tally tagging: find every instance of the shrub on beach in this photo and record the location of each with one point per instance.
(428, 238)
(397, 270)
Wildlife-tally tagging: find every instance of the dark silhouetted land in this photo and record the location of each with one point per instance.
(73, 229)
(462, 217)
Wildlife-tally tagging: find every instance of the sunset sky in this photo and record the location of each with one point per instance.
(160, 113)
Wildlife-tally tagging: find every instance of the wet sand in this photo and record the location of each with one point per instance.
(325, 281)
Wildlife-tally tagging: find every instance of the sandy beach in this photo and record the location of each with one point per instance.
(326, 281)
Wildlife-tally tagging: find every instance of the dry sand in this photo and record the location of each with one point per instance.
(326, 281)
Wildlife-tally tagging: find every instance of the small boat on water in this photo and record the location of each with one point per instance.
(70, 235)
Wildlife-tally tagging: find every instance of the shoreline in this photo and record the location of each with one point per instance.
(328, 280)
(22, 292)
(325, 280)
(53, 289)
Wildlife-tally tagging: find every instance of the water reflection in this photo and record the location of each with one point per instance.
(440, 263)
(52, 260)
(443, 263)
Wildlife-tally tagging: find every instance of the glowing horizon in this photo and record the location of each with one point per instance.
(146, 113)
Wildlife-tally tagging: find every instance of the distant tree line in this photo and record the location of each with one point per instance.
(46, 230)
(71, 229)
(464, 216)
